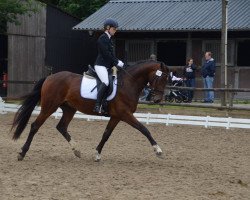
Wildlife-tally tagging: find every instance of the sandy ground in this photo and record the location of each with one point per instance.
(197, 164)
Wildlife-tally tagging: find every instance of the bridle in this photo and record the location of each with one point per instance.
(158, 74)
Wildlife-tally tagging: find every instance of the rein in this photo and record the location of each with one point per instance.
(127, 73)
(158, 74)
(121, 80)
(123, 69)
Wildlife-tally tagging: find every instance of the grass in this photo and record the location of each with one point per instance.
(241, 101)
(195, 111)
(13, 101)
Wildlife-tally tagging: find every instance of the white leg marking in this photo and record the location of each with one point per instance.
(97, 157)
(157, 150)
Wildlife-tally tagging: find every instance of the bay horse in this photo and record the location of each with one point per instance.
(63, 90)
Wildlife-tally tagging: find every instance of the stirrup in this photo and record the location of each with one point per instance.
(98, 109)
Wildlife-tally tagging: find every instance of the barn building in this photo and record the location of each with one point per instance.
(44, 43)
(175, 30)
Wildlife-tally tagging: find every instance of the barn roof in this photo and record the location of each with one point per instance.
(169, 15)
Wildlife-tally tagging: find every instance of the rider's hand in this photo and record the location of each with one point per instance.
(120, 63)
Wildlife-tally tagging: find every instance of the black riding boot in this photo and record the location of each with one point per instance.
(100, 96)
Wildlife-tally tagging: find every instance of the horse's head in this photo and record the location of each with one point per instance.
(158, 79)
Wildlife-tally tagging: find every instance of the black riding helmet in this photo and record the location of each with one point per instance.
(111, 23)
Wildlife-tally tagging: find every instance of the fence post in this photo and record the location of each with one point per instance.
(228, 122)
(56, 115)
(207, 122)
(231, 97)
(2, 106)
(148, 117)
(168, 117)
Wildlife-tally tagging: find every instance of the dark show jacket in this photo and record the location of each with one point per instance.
(106, 55)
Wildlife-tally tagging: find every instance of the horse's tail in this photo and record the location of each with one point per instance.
(24, 112)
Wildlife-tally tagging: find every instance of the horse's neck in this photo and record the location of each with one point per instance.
(140, 76)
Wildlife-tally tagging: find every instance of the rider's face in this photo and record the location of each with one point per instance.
(112, 31)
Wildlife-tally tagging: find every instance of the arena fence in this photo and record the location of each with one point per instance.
(228, 104)
(149, 118)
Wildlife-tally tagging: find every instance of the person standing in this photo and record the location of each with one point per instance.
(189, 77)
(208, 73)
(153, 57)
(146, 91)
(105, 59)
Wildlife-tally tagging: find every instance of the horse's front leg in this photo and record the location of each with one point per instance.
(131, 120)
(109, 129)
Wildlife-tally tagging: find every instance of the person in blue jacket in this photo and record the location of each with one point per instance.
(208, 73)
(106, 59)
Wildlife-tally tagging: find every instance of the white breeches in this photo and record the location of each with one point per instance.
(102, 73)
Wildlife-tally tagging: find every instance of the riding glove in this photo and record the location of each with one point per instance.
(120, 63)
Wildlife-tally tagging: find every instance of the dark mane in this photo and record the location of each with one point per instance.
(127, 69)
(141, 62)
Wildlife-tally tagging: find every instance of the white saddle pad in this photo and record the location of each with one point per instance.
(87, 86)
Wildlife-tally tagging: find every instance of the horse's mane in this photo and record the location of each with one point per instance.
(140, 62)
(135, 66)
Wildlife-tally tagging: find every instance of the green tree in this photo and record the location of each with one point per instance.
(10, 9)
(78, 8)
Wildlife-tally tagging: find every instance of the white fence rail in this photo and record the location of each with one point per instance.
(148, 118)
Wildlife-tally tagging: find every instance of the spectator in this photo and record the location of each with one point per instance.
(208, 73)
(146, 93)
(153, 57)
(189, 77)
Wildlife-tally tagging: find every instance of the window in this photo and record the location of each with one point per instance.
(215, 48)
(172, 53)
(243, 53)
(138, 50)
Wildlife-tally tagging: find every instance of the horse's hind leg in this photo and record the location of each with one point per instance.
(62, 126)
(33, 130)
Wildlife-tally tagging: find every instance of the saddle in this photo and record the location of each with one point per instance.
(92, 73)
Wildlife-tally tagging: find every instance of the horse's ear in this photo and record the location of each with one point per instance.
(162, 65)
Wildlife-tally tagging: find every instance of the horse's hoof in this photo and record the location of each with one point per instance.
(20, 157)
(97, 157)
(157, 150)
(158, 153)
(77, 153)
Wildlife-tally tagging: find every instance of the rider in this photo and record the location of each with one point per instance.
(105, 59)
